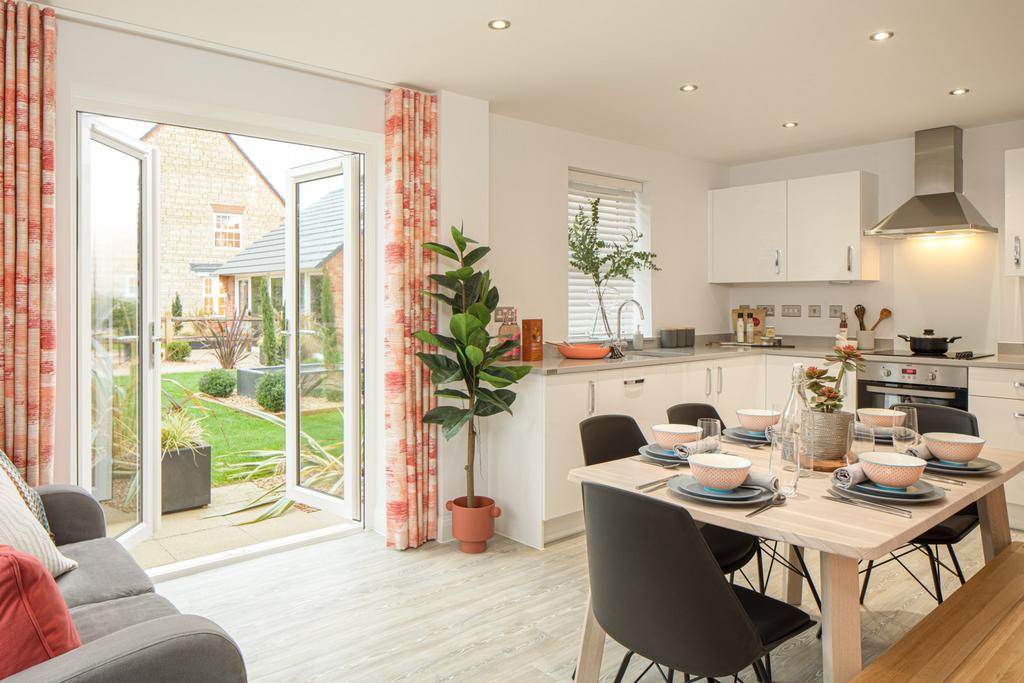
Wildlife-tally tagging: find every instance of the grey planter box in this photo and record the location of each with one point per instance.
(247, 378)
(185, 479)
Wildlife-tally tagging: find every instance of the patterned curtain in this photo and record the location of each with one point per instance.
(29, 52)
(410, 219)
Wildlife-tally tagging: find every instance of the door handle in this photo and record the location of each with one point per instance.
(638, 380)
(1018, 385)
(155, 345)
(707, 382)
(778, 261)
(719, 379)
(849, 259)
(1016, 251)
(1018, 415)
(591, 398)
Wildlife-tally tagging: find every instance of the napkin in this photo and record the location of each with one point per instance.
(921, 451)
(763, 479)
(708, 445)
(876, 430)
(846, 477)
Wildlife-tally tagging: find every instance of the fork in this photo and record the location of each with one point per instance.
(878, 507)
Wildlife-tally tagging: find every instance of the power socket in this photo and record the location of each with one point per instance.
(835, 311)
(769, 310)
(791, 310)
(814, 311)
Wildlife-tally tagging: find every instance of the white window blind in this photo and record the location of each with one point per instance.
(618, 213)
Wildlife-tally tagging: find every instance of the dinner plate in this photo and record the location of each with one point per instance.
(976, 466)
(918, 490)
(936, 494)
(741, 493)
(677, 485)
(661, 459)
(745, 436)
(655, 449)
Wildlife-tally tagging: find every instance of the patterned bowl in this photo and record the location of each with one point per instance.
(719, 472)
(881, 417)
(892, 470)
(757, 420)
(958, 448)
(668, 435)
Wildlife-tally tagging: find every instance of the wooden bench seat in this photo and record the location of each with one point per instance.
(977, 634)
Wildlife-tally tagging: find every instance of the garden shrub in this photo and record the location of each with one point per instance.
(178, 351)
(270, 392)
(219, 383)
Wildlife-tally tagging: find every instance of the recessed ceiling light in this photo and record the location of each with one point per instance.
(881, 35)
(959, 91)
(790, 124)
(689, 87)
(499, 24)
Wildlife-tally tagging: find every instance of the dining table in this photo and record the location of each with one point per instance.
(844, 535)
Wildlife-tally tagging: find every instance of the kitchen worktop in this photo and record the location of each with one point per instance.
(554, 364)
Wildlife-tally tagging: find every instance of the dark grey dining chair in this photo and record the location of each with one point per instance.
(689, 413)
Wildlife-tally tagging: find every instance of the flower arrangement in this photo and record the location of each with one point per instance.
(826, 396)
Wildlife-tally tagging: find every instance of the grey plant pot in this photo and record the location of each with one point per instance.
(185, 479)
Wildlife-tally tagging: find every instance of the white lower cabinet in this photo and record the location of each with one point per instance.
(568, 400)
(645, 394)
(726, 383)
(1001, 423)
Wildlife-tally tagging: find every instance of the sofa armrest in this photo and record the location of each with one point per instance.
(183, 647)
(73, 514)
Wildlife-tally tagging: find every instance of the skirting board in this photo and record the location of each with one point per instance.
(554, 529)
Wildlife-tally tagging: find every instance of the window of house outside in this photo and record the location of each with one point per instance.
(227, 230)
(213, 296)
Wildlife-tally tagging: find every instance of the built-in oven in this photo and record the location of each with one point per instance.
(883, 384)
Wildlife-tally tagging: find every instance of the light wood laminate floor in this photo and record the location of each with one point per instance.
(351, 610)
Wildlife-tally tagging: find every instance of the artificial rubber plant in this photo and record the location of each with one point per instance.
(472, 358)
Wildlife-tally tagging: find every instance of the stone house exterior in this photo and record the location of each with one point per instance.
(214, 203)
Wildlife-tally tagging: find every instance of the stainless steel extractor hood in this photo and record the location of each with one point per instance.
(938, 206)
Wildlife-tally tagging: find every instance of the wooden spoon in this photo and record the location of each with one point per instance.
(859, 311)
(884, 314)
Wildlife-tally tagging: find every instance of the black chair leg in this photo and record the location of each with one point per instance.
(671, 675)
(732, 577)
(760, 570)
(956, 564)
(623, 667)
(867, 577)
(933, 564)
(768, 665)
(760, 672)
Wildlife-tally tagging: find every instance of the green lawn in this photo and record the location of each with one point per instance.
(231, 432)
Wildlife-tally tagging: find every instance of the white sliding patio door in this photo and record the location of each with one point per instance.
(322, 303)
(118, 348)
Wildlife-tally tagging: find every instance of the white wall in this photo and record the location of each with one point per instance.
(528, 185)
(950, 284)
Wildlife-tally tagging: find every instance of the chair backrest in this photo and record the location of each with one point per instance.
(689, 413)
(610, 437)
(656, 588)
(936, 418)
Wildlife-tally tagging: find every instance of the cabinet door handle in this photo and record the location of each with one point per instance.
(1016, 251)
(638, 380)
(1018, 385)
(592, 398)
(1018, 415)
(778, 261)
(707, 382)
(849, 259)
(719, 379)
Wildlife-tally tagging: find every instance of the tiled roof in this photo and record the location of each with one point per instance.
(321, 234)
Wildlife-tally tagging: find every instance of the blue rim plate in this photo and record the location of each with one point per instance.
(737, 434)
(918, 490)
(976, 466)
(742, 493)
(655, 449)
(666, 459)
(678, 485)
(887, 497)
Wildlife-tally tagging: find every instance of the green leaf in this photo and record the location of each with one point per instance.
(481, 313)
(494, 380)
(491, 299)
(474, 355)
(458, 238)
(445, 281)
(475, 255)
(460, 273)
(453, 425)
(463, 325)
(443, 298)
(473, 288)
(442, 249)
(451, 393)
(434, 340)
(483, 409)
(501, 349)
(439, 414)
(508, 374)
(443, 369)
(497, 398)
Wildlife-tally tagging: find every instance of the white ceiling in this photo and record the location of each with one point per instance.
(612, 68)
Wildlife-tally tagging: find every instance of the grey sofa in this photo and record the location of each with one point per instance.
(128, 632)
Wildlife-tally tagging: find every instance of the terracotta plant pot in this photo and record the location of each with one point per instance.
(473, 526)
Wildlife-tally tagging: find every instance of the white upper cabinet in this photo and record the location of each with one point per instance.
(827, 216)
(748, 233)
(1013, 234)
(802, 230)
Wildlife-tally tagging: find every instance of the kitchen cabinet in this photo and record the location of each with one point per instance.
(643, 393)
(778, 382)
(726, 383)
(800, 230)
(568, 400)
(1013, 233)
(826, 219)
(1001, 423)
(747, 240)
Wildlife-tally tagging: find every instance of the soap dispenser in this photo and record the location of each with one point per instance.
(638, 339)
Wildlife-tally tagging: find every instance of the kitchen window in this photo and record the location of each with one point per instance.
(622, 208)
(227, 230)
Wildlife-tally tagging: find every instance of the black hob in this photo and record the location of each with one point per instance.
(952, 355)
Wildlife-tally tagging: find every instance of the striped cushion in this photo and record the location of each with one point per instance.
(21, 530)
(28, 494)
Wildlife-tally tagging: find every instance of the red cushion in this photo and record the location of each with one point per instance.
(35, 624)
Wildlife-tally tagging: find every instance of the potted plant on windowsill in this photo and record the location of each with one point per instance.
(471, 361)
(825, 424)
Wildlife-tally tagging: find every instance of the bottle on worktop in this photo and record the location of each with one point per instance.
(844, 328)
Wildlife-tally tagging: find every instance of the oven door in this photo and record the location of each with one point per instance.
(888, 394)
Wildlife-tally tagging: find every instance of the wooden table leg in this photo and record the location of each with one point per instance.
(995, 523)
(794, 580)
(588, 664)
(840, 607)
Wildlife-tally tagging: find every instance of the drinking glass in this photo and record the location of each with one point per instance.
(904, 436)
(784, 461)
(860, 439)
(711, 428)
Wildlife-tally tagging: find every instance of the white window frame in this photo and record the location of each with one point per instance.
(248, 293)
(219, 297)
(618, 191)
(218, 231)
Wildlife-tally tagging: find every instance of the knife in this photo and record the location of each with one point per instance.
(652, 485)
(878, 507)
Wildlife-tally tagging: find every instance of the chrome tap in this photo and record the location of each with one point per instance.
(617, 346)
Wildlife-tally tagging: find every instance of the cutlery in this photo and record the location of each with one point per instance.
(839, 494)
(877, 507)
(666, 466)
(654, 485)
(859, 311)
(884, 314)
(777, 499)
(944, 480)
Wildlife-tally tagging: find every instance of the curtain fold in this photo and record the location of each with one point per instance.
(27, 291)
(410, 219)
